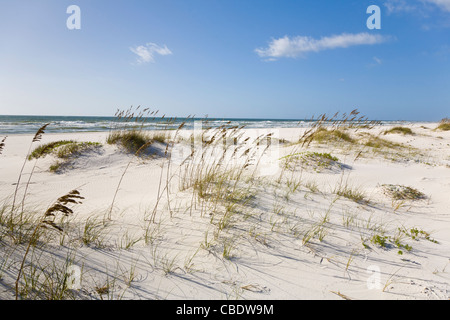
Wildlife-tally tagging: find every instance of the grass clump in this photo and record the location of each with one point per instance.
(93, 233)
(55, 166)
(323, 135)
(380, 143)
(59, 208)
(161, 137)
(402, 130)
(63, 149)
(48, 148)
(444, 125)
(329, 129)
(393, 151)
(317, 161)
(400, 192)
(75, 148)
(352, 193)
(128, 131)
(132, 140)
(2, 145)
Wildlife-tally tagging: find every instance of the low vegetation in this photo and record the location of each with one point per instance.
(352, 193)
(236, 209)
(132, 141)
(401, 192)
(64, 151)
(316, 160)
(334, 132)
(129, 131)
(401, 130)
(444, 125)
(377, 142)
(48, 148)
(387, 242)
(328, 129)
(324, 135)
(398, 240)
(417, 234)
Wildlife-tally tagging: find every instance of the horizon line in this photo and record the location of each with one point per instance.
(205, 117)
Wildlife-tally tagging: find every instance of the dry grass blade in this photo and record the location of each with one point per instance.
(73, 197)
(48, 220)
(134, 139)
(444, 125)
(37, 137)
(343, 296)
(400, 192)
(335, 124)
(40, 132)
(2, 145)
(70, 197)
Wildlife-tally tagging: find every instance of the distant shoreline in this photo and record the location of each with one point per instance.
(72, 124)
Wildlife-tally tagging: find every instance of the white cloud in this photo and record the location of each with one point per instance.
(298, 46)
(147, 52)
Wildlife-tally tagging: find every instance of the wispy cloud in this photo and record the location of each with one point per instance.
(394, 6)
(146, 53)
(287, 47)
(416, 6)
(442, 4)
(377, 60)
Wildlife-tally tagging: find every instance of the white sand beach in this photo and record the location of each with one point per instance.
(336, 219)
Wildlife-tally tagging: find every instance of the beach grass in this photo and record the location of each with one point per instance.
(310, 159)
(2, 145)
(63, 151)
(211, 208)
(377, 142)
(129, 130)
(353, 193)
(74, 149)
(48, 148)
(400, 130)
(324, 135)
(401, 192)
(444, 125)
(132, 140)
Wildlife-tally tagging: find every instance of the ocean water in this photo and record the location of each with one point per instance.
(59, 124)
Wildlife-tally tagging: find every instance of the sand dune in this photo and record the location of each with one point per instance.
(317, 229)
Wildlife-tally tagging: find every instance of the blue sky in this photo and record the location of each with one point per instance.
(226, 58)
